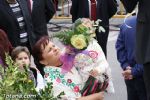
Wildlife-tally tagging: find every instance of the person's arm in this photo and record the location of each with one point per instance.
(129, 5)
(49, 9)
(137, 70)
(95, 96)
(120, 48)
(40, 81)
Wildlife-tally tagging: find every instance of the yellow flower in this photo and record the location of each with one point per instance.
(78, 41)
(29, 81)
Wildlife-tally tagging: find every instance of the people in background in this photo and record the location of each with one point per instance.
(56, 5)
(132, 71)
(142, 36)
(41, 12)
(5, 47)
(95, 9)
(15, 20)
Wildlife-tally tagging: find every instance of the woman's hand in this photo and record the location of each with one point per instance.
(101, 96)
(94, 73)
(95, 96)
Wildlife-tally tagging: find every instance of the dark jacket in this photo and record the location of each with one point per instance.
(9, 24)
(143, 29)
(125, 47)
(105, 10)
(42, 12)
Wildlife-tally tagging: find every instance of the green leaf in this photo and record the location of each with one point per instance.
(16, 81)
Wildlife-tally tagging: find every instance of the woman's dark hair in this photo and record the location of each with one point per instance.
(39, 46)
(5, 46)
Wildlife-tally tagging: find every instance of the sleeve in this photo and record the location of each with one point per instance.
(137, 70)
(121, 50)
(49, 9)
(59, 84)
(40, 82)
(129, 5)
(112, 7)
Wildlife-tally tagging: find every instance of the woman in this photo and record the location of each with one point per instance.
(5, 47)
(71, 83)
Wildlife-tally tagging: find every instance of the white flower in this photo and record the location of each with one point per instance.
(101, 29)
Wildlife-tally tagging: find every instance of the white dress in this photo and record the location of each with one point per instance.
(70, 83)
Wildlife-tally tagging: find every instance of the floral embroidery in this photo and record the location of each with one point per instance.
(69, 81)
(93, 54)
(58, 80)
(55, 74)
(82, 60)
(46, 75)
(76, 89)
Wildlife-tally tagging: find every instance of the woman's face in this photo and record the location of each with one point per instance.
(22, 59)
(51, 54)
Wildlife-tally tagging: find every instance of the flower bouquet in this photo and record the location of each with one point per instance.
(77, 39)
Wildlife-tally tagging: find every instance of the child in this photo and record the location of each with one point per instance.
(21, 56)
(132, 71)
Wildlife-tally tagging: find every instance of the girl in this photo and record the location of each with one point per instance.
(21, 56)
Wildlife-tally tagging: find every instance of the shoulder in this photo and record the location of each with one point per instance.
(129, 23)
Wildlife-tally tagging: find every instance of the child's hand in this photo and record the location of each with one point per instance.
(94, 73)
(127, 73)
(128, 68)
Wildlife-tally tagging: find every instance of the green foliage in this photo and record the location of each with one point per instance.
(48, 95)
(64, 36)
(79, 27)
(15, 83)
